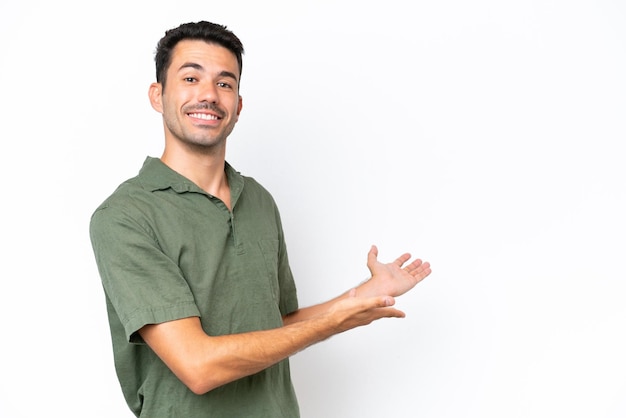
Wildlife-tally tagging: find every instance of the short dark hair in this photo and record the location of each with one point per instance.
(211, 33)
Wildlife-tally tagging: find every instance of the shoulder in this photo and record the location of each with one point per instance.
(137, 193)
(127, 195)
(128, 207)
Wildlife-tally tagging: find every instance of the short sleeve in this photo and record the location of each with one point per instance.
(144, 286)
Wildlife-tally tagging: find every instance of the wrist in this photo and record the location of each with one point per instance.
(362, 289)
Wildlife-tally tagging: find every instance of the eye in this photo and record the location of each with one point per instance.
(224, 85)
(190, 79)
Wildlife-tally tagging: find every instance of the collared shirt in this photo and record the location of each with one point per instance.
(167, 250)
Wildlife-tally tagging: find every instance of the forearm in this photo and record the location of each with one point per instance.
(204, 362)
(239, 355)
(308, 312)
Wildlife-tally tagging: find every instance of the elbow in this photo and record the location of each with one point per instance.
(198, 382)
(201, 380)
(199, 387)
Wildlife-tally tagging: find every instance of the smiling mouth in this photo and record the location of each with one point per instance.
(203, 116)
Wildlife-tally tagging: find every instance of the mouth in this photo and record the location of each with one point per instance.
(203, 116)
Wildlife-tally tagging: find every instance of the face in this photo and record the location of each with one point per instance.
(200, 103)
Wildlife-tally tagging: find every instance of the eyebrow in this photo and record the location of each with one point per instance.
(199, 67)
(191, 65)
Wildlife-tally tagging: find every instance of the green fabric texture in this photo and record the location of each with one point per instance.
(166, 250)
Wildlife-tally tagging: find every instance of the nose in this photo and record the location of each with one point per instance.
(208, 93)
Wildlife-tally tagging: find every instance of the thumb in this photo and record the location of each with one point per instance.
(372, 256)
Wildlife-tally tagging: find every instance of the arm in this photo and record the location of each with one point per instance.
(204, 362)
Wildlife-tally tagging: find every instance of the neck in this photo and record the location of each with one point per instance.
(205, 170)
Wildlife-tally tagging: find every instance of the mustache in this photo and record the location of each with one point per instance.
(205, 106)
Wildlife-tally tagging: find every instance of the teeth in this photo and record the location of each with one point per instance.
(203, 116)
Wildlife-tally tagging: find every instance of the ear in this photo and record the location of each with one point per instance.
(155, 94)
(239, 106)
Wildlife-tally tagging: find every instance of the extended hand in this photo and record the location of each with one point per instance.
(392, 279)
(352, 311)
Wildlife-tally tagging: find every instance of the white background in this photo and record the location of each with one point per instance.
(484, 136)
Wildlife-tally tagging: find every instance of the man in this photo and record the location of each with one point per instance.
(201, 300)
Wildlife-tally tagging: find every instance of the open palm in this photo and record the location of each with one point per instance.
(392, 278)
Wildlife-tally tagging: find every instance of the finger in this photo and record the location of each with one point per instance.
(372, 256)
(422, 271)
(424, 267)
(418, 266)
(402, 259)
(413, 266)
(378, 302)
(383, 306)
(390, 313)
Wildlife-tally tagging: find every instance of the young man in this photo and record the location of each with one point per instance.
(201, 300)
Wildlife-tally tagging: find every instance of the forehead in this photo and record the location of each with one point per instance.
(208, 56)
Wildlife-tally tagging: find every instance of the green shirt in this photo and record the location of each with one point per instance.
(166, 250)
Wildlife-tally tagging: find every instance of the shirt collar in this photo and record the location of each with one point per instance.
(155, 175)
